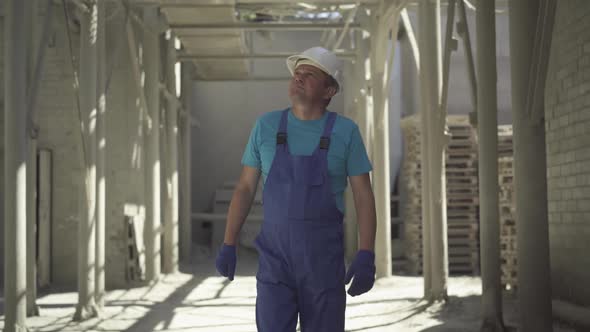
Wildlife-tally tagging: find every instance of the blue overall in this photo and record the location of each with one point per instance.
(300, 245)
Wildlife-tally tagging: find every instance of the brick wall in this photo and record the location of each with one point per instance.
(60, 132)
(567, 115)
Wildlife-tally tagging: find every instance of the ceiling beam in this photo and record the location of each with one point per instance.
(306, 26)
(215, 57)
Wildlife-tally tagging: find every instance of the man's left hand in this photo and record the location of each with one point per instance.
(363, 271)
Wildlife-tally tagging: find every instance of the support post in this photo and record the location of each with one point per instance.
(101, 145)
(153, 226)
(381, 183)
(185, 125)
(86, 307)
(44, 193)
(15, 172)
(32, 34)
(171, 220)
(530, 178)
(487, 115)
(433, 145)
(351, 95)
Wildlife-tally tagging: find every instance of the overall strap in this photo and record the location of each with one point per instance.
(325, 139)
(282, 131)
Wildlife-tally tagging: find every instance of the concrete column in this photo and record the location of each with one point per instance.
(351, 87)
(32, 34)
(15, 171)
(101, 146)
(433, 127)
(530, 178)
(86, 307)
(185, 226)
(487, 114)
(44, 193)
(32, 309)
(153, 226)
(381, 182)
(171, 221)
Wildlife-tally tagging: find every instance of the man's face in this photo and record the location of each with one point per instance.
(309, 85)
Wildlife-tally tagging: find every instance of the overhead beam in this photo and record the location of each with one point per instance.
(246, 78)
(260, 56)
(262, 26)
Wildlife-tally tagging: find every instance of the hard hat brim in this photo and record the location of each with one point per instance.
(294, 59)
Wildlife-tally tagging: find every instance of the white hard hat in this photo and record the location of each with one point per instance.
(321, 58)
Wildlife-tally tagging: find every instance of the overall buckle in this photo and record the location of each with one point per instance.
(281, 138)
(324, 143)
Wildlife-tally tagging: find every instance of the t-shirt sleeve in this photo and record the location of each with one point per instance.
(251, 155)
(357, 162)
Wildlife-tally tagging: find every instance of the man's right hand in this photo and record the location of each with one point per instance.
(226, 261)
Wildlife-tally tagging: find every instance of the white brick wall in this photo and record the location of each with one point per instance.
(567, 116)
(59, 132)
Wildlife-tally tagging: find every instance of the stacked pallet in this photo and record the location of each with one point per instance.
(461, 190)
(507, 207)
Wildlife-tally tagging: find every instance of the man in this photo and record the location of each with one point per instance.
(305, 154)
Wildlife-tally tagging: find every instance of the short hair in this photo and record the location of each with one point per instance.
(331, 82)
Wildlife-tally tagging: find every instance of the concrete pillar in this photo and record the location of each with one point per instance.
(32, 308)
(433, 141)
(32, 34)
(15, 172)
(44, 193)
(358, 89)
(530, 178)
(351, 86)
(487, 114)
(381, 182)
(185, 226)
(153, 226)
(86, 307)
(101, 141)
(171, 221)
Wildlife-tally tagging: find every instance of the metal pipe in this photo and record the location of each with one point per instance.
(261, 26)
(411, 37)
(487, 114)
(15, 142)
(86, 307)
(463, 31)
(450, 45)
(344, 31)
(101, 152)
(153, 219)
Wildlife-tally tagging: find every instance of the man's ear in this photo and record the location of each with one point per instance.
(330, 92)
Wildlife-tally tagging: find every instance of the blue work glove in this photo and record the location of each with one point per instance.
(363, 271)
(226, 261)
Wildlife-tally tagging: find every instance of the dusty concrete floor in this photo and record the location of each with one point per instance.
(198, 300)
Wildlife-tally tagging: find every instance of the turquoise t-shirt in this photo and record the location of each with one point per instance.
(347, 155)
